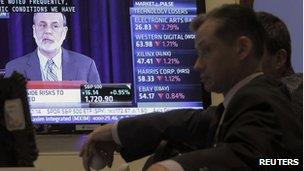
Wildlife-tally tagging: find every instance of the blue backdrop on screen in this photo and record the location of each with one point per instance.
(99, 29)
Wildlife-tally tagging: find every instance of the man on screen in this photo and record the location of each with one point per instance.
(51, 62)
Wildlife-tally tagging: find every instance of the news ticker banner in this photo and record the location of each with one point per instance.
(32, 6)
(78, 102)
(163, 52)
(77, 94)
(91, 115)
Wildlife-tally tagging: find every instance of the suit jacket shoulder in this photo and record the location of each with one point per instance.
(27, 65)
(260, 115)
(262, 90)
(77, 57)
(76, 66)
(258, 124)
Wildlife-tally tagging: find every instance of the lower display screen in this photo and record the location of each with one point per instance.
(76, 102)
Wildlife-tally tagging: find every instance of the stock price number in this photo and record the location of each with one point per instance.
(106, 94)
(146, 96)
(143, 27)
(147, 78)
(143, 44)
(98, 99)
(144, 61)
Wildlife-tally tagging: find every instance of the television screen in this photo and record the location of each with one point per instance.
(111, 59)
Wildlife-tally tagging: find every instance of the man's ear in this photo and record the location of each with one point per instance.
(280, 59)
(243, 47)
(65, 29)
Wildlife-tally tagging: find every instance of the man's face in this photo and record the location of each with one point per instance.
(217, 60)
(49, 31)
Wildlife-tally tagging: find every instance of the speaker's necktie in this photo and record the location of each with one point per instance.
(50, 71)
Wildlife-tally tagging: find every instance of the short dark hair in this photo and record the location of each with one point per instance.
(234, 21)
(277, 35)
(63, 16)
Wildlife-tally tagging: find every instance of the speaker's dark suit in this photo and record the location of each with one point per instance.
(258, 124)
(75, 66)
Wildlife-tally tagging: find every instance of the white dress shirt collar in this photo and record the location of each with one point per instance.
(43, 59)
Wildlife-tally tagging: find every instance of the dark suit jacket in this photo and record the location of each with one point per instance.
(259, 124)
(75, 66)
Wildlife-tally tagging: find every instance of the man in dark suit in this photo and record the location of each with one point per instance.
(50, 62)
(255, 122)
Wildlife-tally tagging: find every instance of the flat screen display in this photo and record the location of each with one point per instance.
(136, 57)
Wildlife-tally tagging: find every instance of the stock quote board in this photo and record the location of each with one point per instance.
(164, 53)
